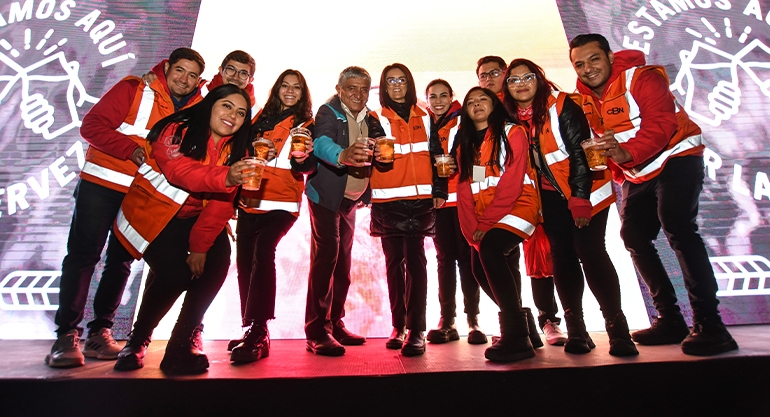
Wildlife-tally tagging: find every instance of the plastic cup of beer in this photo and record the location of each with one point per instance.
(386, 146)
(444, 165)
(369, 145)
(261, 148)
(596, 161)
(252, 183)
(298, 137)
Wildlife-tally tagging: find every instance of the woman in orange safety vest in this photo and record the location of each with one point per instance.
(575, 202)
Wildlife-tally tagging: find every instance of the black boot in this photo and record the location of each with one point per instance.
(620, 341)
(197, 339)
(396, 339)
(578, 340)
(255, 344)
(180, 357)
(514, 343)
(131, 357)
(446, 331)
(709, 337)
(666, 329)
(415, 344)
(475, 335)
(534, 336)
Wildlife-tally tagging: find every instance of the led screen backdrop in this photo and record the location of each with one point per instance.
(58, 57)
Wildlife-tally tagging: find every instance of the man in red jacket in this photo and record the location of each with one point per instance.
(656, 152)
(115, 129)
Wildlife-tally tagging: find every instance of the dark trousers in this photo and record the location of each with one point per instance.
(167, 257)
(495, 270)
(258, 236)
(571, 246)
(331, 243)
(95, 210)
(453, 253)
(670, 200)
(407, 274)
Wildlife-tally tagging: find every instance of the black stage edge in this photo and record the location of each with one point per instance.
(450, 380)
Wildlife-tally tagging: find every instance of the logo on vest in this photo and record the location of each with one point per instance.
(615, 110)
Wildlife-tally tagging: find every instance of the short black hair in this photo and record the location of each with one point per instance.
(243, 58)
(189, 54)
(491, 58)
(581, 40)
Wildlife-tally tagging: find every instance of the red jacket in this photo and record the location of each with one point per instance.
(659, 114)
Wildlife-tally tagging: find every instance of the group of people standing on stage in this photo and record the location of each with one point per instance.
(168, 158)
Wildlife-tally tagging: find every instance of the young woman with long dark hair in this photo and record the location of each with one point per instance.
(402, 212)
(266, 215)
(175, 215)
(452, 251)
(498, 208)
(575, 203)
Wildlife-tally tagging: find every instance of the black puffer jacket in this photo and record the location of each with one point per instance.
(403, 218)
(574, 128)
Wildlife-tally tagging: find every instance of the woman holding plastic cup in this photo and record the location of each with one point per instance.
(575, 203)
(175, 215)
(402, 211)
(452, 251)
(498, 208)
(266, 215)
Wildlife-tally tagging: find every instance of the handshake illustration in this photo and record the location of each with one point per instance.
(704, 62)
(38, 114)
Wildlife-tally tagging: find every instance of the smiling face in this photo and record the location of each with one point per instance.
(439, 99)
(290, 91)
(227, 116)
(479, 107)
(592, 65)
(182, 77)
(396, 85)
(236, 73)
(354, 93)
(522, 85)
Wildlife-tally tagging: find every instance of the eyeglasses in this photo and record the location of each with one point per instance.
(242, 74)
(524, 79)
(396, 81)
(491, 74)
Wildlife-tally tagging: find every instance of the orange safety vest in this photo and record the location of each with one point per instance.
(281, 188)
(525, 214)
(411, 176)
(447, 135)
(626, 121)
(151, 103)
(555, 153)
(150, 204)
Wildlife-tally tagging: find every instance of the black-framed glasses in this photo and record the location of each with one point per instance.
(396, 81)
(489, 75)
(522, 79)
(242, 74)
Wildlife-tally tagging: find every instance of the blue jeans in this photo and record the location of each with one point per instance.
(95, 210)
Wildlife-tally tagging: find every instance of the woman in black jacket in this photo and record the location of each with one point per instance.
(575, 203)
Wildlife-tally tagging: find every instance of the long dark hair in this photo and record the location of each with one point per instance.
(539, 103)
(411, 89)
(466, 135)
(196, 120)
(302, 111)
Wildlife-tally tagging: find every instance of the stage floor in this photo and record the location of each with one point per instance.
(455, 371)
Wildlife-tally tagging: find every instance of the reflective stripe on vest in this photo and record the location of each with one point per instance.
(518, 223)
(657, 163)
(452, 133)
(107, 174)
(404, 149)
(385, 123)
(402, 192)
(561, 153)
(451, 198)
(130, 234)
(601, 194)
(139, 127)
(267, 205)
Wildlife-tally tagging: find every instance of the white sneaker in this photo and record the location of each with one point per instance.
(553, 334)
(101, 345)
(65, 352)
